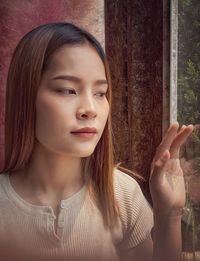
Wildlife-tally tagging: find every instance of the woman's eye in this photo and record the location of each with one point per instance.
(66, 91)
(101, 94)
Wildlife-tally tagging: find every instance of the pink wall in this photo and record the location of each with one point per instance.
(17, 17)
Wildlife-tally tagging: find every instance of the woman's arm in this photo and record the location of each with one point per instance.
(167, 237)
(166, 243)
(168, 193)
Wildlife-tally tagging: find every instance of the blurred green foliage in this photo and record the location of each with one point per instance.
(189, 61)
(189, 101)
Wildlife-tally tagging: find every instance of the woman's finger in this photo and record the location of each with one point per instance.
(157, 166)
(179, 140)
(167, 140)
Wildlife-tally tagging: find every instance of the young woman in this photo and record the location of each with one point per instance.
(61, 195)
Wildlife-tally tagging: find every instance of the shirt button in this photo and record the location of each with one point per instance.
(62, 205)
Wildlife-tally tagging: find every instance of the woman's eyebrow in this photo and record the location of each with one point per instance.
(77, 79)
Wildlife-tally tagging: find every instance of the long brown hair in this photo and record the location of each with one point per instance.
(28, 63)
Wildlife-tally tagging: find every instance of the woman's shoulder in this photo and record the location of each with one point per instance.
(134, 210)
(3, 178)
(3, 186)
(124, 183)
(128, 193)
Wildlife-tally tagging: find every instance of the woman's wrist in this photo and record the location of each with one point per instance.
(168, 213)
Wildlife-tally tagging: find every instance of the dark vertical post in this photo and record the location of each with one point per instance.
(134, 44)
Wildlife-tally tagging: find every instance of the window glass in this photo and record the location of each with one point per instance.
(188, 111)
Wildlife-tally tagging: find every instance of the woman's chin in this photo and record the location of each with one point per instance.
(82, 153)
(86, 154)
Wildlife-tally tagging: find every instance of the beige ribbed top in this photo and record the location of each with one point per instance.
(81, 234)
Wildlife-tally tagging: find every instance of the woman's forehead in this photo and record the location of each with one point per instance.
(76, 59)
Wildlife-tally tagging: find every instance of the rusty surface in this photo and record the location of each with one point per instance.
(116, 48)
(134, 46)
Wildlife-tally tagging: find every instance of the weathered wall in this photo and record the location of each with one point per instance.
(134, 45)
(17, 17)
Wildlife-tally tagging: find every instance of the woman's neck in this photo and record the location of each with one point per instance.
(50, 174)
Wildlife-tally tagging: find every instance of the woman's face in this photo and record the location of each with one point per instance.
(72, 96)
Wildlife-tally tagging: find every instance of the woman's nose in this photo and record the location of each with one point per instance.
(86, 110)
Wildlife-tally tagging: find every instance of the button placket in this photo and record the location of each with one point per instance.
(60, 224)
(50, 224)
(51, 219)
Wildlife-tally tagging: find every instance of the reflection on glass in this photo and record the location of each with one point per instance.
(190, 162)
(189, 112)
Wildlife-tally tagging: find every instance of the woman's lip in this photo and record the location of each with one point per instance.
(85, 130)
(84, 134)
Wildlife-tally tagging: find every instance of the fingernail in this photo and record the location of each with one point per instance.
(191, 127)
(176, 123)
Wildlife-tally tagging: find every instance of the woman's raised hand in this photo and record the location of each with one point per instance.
(166, 180)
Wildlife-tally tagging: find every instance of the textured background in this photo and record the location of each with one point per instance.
(134, 44)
